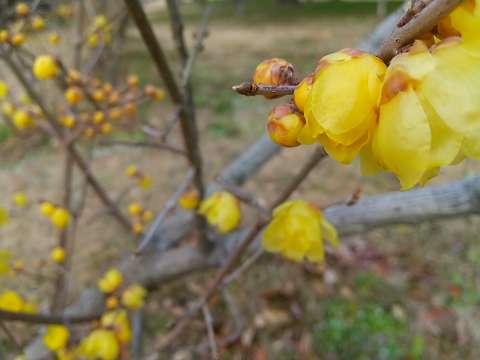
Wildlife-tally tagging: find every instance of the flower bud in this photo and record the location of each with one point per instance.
(22, 9)
(58, 255)
(110, 281)
(284, 125)
(274, 72)
(45, 67)
(38, 23)
(17, 39)
(60, 218)
(54, 38)
(73, 95)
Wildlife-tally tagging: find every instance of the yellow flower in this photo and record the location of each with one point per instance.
(145, 182)
(4, 35)
(111, 302)
(11, 301)
(22, 9)
(134, 296)
(110, 281)
(189, 200)
(117, 321)
(135, 209)
(101, 21)
(133, 80)
(47, 208)
(60, 218)
(22, 120)
(297, 231)
(147, 216)
(429, 108)
(106, 129)
(92, 40)
(131, 171)
(5, 258)
(138, 228)
(341, 108)
(222, 210)
(68, 121)
(17, 39)
(20, 199)
(73, 95)
(3, 89)
(100, 345)
(4, 216)
(58, 255)
(8, 109)
(45, 67)
(56, 337)
(54, 38)
(38, 23)
(284, 125)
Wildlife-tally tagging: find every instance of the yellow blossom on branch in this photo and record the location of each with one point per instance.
(118, 322)
(45, 67)
(297, 231)
(222, 210)
(189, 200)
(100, 344)
(134, 296)
(56, 337)
(110, 281)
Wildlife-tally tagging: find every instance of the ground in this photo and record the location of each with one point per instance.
(405, 293)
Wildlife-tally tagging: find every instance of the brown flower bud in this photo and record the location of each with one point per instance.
(284, 125)
(274, 72)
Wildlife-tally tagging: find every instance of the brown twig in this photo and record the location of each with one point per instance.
(251, 89)
(210, 332)
(10, 316)
(10, 335)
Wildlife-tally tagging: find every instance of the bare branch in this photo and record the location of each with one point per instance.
(47, 319)
(251, 89)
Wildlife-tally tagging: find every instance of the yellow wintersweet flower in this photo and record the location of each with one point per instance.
(17, 39)
(45, 67)
(341, 108)
(134, 296)
(429, 110)
(110, 281)
(111, 302)
(3, 89)
(297, 231)
(56, 337)
(60, 218)
(11, 301)
(54, 38)
(5, 258)
(20, 199)
(145, 182)
(222, 210)
(73, 95)
(4, 216)
(38, 23)
(135, 209)
(22, 9)
(189, 200)
(131, 171)
(22, 120)
(118, 322)
(100, 344)
(101, 21)
(58, 254)
(47, 208)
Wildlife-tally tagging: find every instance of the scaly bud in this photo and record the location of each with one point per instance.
(274, 72)
(284, 125)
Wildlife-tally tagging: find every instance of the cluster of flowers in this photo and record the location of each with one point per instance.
(140, 215)
(411, 118)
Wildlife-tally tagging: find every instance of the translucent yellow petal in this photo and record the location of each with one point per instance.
(342, 154)
(402, 140)
(368, 164)
(329, 232)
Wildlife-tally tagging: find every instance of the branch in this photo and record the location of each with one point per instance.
(10, 316)
(252, 89)
(146, 144)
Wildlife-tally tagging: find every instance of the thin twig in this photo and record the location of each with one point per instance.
(210, 332)
(244, 267)
(10, 335)
(10, 316)
(169, 206)
(147, 144)
(252, 89)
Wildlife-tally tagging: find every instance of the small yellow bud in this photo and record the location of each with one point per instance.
(115, 113)
(135, 209)
(147, 216)
(114, 98)
(22, 120)
(89, 132)
(45, 67)
(284, 125)
(17, 39)
(54, 38)
(3, 89)
(111, 303)
(138, 228)
(22, 9)
(73, 77)
(98, 95)
(47, 208)
(73, 95)
(20, 199)
(58, 255)
(189, 200)
(98, 117)
(60, 218)
(11, 301)
(110, 281)
(131, 171)
(106, 129)
(38, 23)
(130, 108)
(4, 35)
(18, 265)
(133, 80)
(100, 21)
(134, 296)
(92, 40)
(274, 72)
(4, 216)
(145, 182)
(118, 322)
(68, 121)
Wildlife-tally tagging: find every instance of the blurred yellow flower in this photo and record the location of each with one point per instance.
(3, 89)
(131, 171)
(47, 208)
(134, 296)
(37, 23)
(117, 321)
(60, 218)
(100, 345)
(222, 210)
(5, 258)
(4, 216)
(73, 95)
(54, 38)
(11, 301)
(22, 120)
(298, 230)
(111, 302)
(189, 200)
(135, 209)
(56, 337)
(58, 255)
(342, 106)
(45, 67)
(145, 182)
(20, 199)
(110, 281)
